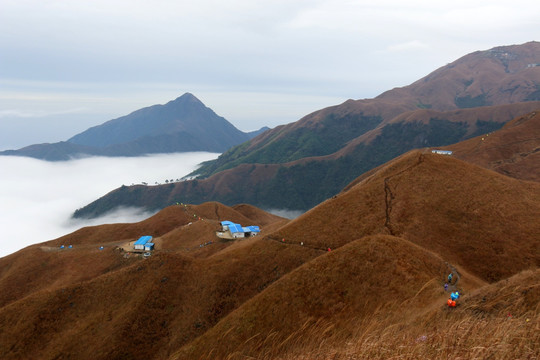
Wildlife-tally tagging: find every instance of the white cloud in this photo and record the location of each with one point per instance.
(38, 197)
(19, 113)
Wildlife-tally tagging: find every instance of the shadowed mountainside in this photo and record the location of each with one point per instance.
(298, 165)
(394, 235)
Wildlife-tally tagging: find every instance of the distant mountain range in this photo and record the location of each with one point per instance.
(181, 125)
(299, 165)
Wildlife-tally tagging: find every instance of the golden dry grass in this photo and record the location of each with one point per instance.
(512, 151)
(498, 321)
(394, 235)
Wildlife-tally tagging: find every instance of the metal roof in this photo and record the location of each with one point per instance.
(252, 228)
(143, 240)
(235, 228)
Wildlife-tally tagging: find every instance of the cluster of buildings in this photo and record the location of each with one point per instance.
(230, 230)
(144, 243)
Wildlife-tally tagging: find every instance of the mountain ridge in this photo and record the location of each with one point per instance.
(181, 125)
(258, 180)
(374, 257)
(315, 157)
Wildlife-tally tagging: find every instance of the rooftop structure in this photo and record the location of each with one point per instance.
(139, 244)
(231, 230)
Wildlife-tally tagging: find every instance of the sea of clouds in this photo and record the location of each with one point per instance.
(37, 198)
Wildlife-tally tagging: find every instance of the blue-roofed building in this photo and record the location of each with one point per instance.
(148, 246)
(252, 229)
(139, 244)
(231, 230)
(225, 224)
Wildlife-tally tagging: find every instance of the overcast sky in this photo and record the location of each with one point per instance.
(66, 65)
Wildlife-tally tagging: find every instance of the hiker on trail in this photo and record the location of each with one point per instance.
(451, 302)
(450, 278)
(445, 286)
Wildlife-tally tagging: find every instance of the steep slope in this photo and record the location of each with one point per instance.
(501, 75)
(181, 125)
(45, 266)
(351, 282)
(394, 236)
(513, 151)
(498, 321)
(464, 212)
(315, 157)
(498, 76)
(186, 117)
(146, 309)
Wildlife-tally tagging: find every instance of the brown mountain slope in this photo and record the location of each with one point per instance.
(254, 181)
(442, 204)
(34, 269)
(501, 75)
(498, 76)
(498, 321)
(46, 267)
(351, 282)
(474, 119)
(298, 165)
(511, 150)
(142, 311)
(147, 309)
(394, 237)
(465, 213)
(514, 150)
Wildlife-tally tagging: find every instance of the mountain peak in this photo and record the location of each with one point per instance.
(186, 97)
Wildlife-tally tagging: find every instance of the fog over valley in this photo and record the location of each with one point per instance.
(39, 197)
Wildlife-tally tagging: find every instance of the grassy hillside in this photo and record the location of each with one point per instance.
(393, 235)
(330, 135)
(349, 283)
(499, 321)
(514, 151)
(441, 203)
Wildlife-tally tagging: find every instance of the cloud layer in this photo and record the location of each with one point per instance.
(38, 197)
